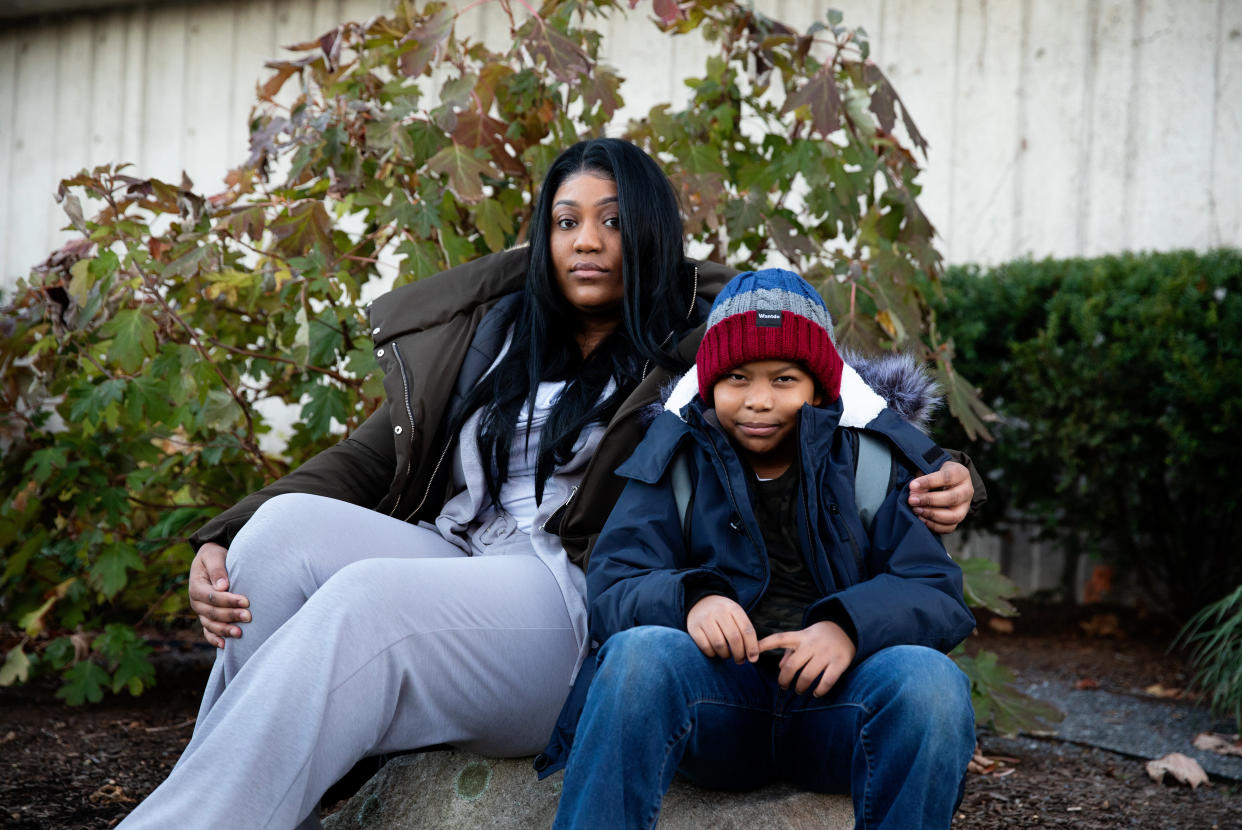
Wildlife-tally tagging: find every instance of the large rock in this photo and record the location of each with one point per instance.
(445, 790)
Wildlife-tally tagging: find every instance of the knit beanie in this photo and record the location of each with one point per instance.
(769, 315)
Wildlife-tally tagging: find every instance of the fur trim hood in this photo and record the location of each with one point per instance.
(868, 384)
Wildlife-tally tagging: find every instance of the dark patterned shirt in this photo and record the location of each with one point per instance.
(791, 587)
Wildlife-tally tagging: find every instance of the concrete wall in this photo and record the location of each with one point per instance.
(1057, 127)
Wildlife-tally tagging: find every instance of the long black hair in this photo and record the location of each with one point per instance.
(658, 288)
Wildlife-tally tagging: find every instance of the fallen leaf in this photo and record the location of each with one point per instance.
(1099, 585)
(81, 645)
(1185, 770)
(980, 763)
(23, 495)
(1220, 744)
(1087, 683)
(1102, 625)
(1001, 625)
(110, 793)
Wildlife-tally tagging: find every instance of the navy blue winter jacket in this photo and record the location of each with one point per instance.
(893, 586)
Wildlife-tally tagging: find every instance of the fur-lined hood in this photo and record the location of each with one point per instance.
(868, 384)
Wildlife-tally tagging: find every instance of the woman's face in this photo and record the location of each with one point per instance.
(585, 244)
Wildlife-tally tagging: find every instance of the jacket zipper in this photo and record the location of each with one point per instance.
(409, 413)
(435, 472)
(805, 540)
(738, 512)
(560, 510)
(843, 528)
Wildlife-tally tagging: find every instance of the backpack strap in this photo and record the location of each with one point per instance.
(873, 475)
(873, 472)
(682, 489)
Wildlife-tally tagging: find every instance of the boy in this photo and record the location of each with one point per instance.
(771, 554)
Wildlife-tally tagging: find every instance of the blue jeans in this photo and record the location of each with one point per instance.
(896, 731)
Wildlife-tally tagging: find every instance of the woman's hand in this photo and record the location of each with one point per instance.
(942, 499)
(209, 596)
(822, 650)
(720, 628)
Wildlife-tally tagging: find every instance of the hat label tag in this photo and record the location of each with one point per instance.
(768, 319)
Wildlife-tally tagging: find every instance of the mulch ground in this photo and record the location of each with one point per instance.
(85, 767)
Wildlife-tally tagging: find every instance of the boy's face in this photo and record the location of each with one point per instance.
(757, 404)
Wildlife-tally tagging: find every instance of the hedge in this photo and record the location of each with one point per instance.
(1117, 384)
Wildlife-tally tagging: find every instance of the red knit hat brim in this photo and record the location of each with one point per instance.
(739, 339)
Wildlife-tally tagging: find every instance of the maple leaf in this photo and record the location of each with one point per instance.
(425, 39)
(330, 43)
(983, 584)
(602, 88)
(16, 668)
(495, 223)
(667, 10)
(823, 98)
(884, 100)
(420, 258)
(788, 238)
(475, 129)
(1184, 769)
(464, 171)
(133, 336)
(247, 221)
(109, 570)
(323, 403)
(84, 681)
(302, 227)
(561, 55)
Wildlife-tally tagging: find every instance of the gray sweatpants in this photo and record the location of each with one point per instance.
(368, 635)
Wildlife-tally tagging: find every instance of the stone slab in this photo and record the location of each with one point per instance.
(1144, 727)
(447, 790)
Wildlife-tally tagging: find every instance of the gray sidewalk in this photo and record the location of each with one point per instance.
(1144, 727)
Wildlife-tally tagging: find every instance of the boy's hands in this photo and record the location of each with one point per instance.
(822, 650)
(720, 628)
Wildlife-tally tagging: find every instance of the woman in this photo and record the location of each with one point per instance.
(374, 631)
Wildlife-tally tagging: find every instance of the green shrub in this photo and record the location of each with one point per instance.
(1214, 636)
(1118, 386)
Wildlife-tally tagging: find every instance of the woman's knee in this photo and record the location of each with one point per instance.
(266, 542)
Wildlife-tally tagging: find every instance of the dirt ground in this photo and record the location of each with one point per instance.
(85, 767)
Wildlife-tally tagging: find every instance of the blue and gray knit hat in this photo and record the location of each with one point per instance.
(766, 315)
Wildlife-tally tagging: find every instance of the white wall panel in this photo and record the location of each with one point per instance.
(132, 25)
(987, 146)
(106, 107)
(1056, 126)
(34, 170)
(1176, 100)
(1225, 222)
(164, 113)
(917, 50)
(254, 41)
(1051, 107)
(209, 140)
(9, 46)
